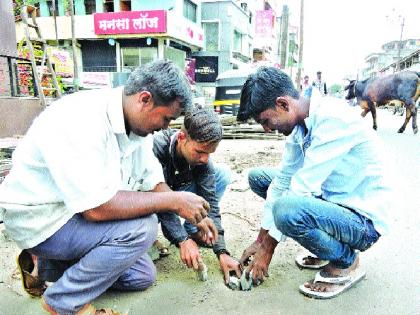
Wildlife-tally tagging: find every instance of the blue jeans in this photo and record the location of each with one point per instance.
(260, 178)
(330, 231)
(223, 178)
(95, 256)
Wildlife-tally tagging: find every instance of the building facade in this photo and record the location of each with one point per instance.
(115, 36)
(386, 60)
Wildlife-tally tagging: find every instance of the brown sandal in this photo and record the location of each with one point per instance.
(163, 250)
(88, 309)
(33, 285)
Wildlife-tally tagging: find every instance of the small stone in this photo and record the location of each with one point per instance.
(246, 284)
(234, 283)
(202, 274)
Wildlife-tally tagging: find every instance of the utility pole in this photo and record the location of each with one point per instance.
(300, 61)
(398, 68)
(73, 45)
(284, 36)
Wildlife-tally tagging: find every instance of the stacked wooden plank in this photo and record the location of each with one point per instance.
(234, 130)
(249, 131)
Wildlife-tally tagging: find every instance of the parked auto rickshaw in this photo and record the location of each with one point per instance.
(228, 91)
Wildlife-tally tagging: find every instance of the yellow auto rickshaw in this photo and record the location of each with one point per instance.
(228, 90)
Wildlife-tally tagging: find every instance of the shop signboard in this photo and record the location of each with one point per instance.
(264, 23)
(130, 22)
(95, 80)
(63, 62)
(206, 68)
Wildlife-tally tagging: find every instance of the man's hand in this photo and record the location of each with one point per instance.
(248, 252)
(252, 249)
(192, 207)
(207, 233)
(259, 265)
(228, 264)
(190, 255)
(262, 258)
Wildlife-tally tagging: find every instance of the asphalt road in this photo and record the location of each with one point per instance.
(392, 265)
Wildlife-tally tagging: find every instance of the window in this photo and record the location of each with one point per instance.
(132, 57)
(237, 41)
(108, 5)
(211, 36)
(90, 6)
(50, 5)
(190, 10)
(125, 5)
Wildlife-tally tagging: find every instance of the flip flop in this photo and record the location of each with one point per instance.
(300, 261)
(354, 277)
(319, 277)
(32, 285)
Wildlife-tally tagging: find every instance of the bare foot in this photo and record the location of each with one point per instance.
(311, 261)
(321, 286)
(331, 271)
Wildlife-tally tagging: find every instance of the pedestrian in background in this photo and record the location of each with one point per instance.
(306, 87)
(319, 84)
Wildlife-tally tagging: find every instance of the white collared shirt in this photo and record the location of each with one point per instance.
(75, 156)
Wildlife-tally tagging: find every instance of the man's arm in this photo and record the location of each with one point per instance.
(291, 162)
(206, 187)
(205, 179)
(262, 257)
(133, 204)
(174, 231)
(171, 224)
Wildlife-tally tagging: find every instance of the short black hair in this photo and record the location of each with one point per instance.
(261, 90)
(202, 124)
(164, 80)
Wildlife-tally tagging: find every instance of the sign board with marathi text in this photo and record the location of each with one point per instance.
(264, 23)
(130, 22)
(63, 62)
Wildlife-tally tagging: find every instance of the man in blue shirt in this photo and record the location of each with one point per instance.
(330, 193)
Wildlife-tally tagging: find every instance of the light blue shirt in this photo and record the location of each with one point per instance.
(339, 159)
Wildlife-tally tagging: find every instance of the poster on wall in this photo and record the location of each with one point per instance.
(206, 68)
(95, 80)
(63, 62)
(190, 70)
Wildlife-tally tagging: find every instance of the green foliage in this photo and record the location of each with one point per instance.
(335, 89)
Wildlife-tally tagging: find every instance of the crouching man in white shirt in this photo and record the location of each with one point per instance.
(85, 186)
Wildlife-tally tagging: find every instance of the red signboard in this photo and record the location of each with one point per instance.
(130, 22)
